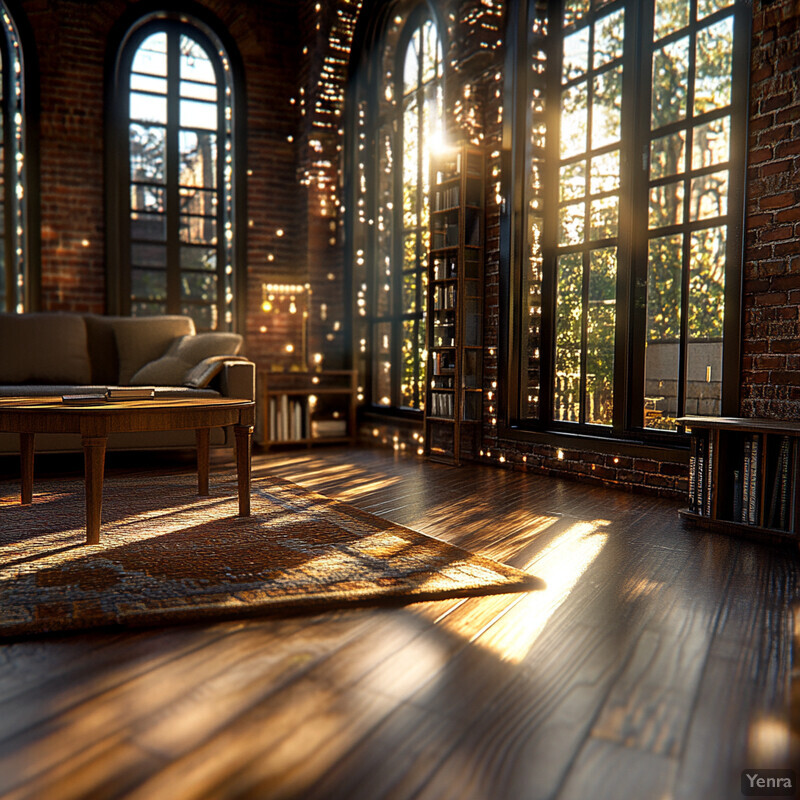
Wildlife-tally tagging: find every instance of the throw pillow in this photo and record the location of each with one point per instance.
(184, 353)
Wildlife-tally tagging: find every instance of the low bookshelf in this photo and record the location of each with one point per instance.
(744, 477)
(306, 408)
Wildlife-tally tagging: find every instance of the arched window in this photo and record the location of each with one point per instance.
(175, 248)
(400, 106)
(13, 288)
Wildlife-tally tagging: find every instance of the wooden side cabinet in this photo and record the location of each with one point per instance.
(306, 408)
(454, 396)
(744, 477)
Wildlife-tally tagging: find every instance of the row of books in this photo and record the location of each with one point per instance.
(446, 198)
(441, 404)
(290, 420)
(444, 297)
(701, 459)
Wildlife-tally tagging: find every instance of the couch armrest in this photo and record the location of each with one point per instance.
(238, 379)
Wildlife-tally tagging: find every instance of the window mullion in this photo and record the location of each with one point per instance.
(172, 166)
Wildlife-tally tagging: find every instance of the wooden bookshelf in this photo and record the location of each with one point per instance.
(306, 408)
(744, 477)
(454, 396)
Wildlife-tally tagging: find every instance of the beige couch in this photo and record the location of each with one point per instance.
(60, 353)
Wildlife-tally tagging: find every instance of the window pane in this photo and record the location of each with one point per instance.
(571, 219)
(668, 155)
(147, 198)
(199, 258)
(148, 108)
(566, 389)
(197, 114)
(148, 83)
(148, 226)
(576, 54)
(200, 286)
(605, 172)
(204, 316)
(573, 120)
(709, 196)
(198, 230)
(151, 57)
(574, 10)
(706, 317)
(711, 143)
(671, 15)
(195, 64)
(149, 284)
(410, 166)
(430, 52)
(382, 389)
(670, 77)
(712, 87)
(606, 107)
(707, 7)
(198, 91)
(662, 348)
(608, 38)
(149, 255)
(666, 204)
(411, 68)
(410, 386)
(601, 322)
(148, 150)
(410, 292)
(144, 309)
(572, 183)
(198, 201)
(383, 290)
(604, 214)
(198, 159)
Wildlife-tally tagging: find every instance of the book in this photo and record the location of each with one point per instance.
(83, 399)
(743, 517)
(130, 392)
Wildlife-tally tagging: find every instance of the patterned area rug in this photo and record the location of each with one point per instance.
(167, 555)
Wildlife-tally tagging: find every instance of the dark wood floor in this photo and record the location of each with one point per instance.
(656, 664)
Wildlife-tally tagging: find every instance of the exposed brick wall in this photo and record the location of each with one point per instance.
(771, 323)
(70, 38)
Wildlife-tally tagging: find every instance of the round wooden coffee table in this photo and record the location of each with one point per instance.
(28, 416)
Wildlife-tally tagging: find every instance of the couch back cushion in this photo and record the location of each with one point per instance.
(120, 346)
(44, 348)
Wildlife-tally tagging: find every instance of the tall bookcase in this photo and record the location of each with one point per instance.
(744, 477)
(454, 396)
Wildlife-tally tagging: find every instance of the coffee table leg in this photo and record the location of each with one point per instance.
(26, 447)
(202, 436)
(244, 436)
(94, 457)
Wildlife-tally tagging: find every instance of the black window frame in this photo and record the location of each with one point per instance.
(627, 427)
(367, 84)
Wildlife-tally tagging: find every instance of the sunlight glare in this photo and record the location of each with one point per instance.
(560, 565)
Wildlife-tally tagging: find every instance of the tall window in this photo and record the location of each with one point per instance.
(635, 193)
(13, 260)
(177, 201)
(401, 112)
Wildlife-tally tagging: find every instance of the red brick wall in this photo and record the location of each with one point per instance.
(771, 321)
(70, 38)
